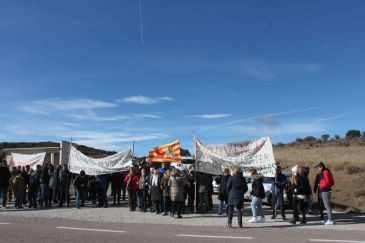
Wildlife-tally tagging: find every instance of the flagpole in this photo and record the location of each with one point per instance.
(133, 151)
(195, 175)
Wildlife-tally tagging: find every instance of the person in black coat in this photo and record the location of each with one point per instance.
(156, 191)
(258, 194)
(300, 188)
(4, 183)
(236, 189)
(317, 190)
(222, 181)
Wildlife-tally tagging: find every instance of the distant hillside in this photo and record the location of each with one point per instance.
(344, 156)
(84, 149)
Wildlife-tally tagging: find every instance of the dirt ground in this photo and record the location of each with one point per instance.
(346, 163)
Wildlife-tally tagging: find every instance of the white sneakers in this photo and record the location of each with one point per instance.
(329, 222)
(254, 221)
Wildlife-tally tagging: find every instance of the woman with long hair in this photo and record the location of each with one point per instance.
(236, 188)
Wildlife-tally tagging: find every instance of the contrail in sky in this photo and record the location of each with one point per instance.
(140, 20)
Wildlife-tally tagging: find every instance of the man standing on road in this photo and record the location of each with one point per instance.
(319, 195)
(4, 183)
(325, 185)
(279, 183)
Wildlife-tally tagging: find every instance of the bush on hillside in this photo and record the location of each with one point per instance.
(353, 169)
(352, 134)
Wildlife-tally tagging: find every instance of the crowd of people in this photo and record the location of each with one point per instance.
(168, 191)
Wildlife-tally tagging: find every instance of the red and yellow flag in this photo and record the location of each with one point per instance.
(166, 153)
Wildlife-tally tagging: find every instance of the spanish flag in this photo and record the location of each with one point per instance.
(166, 153)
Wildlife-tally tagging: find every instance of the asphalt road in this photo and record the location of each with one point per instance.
(24, 229)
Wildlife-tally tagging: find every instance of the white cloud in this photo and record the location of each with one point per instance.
(92, 116)
(211, 116)
(47, 106)
(283, 129)
(147, 116)
(268, 70)
(110, 140)
(144, 100)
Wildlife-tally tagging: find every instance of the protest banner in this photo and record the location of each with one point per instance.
(213, 158)
(32, 160)
(115, 163)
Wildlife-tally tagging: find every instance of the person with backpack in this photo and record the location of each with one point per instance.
(325, 185)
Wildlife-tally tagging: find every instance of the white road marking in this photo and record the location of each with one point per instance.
(5, 223)
(95, 230)
(215, 237)
(339, 241)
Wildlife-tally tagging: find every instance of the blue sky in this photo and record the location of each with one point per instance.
(229, 71)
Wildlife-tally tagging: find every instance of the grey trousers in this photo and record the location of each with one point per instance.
(326, 197)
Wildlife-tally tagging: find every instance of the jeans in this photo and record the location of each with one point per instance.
(79, 197)
(221, 205)
(320, 205)
(4, 194)
(256, 207)
(279, 200)
(18, 201)
(230, 209)
(44, 194)
(326, 197)
(309, 202)
(166, 204)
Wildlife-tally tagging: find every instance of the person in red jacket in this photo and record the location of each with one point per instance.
(326, 183)
(131, 181)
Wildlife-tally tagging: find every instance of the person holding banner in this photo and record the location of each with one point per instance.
(236, 188)
(80, 184)
(222, 194)
(279, 183)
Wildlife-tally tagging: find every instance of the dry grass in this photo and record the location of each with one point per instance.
(346, 163)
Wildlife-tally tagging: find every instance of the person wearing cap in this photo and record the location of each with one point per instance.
(326, 183)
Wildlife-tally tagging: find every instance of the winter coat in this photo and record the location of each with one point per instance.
(19, 186)
(258, 189)
(131, 181)
(327, 182)
(102, 180)
(279, 184)
(165, 185)
(302, 188)
(236, 188)
(177, 184)
(116, 179)
(316, 183)
(222, 181)
(45, 176)
(205, 182)
(155, 190)
(81, 182)
(4, 176)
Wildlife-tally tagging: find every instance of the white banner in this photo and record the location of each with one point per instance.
(111, 164)
(213, 158)
(26, 159)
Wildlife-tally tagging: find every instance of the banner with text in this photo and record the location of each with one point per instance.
(26, 159)
(213, 158)
(115, 163)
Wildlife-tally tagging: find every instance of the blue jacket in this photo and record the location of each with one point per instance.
(281, 182)
(102, 180)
